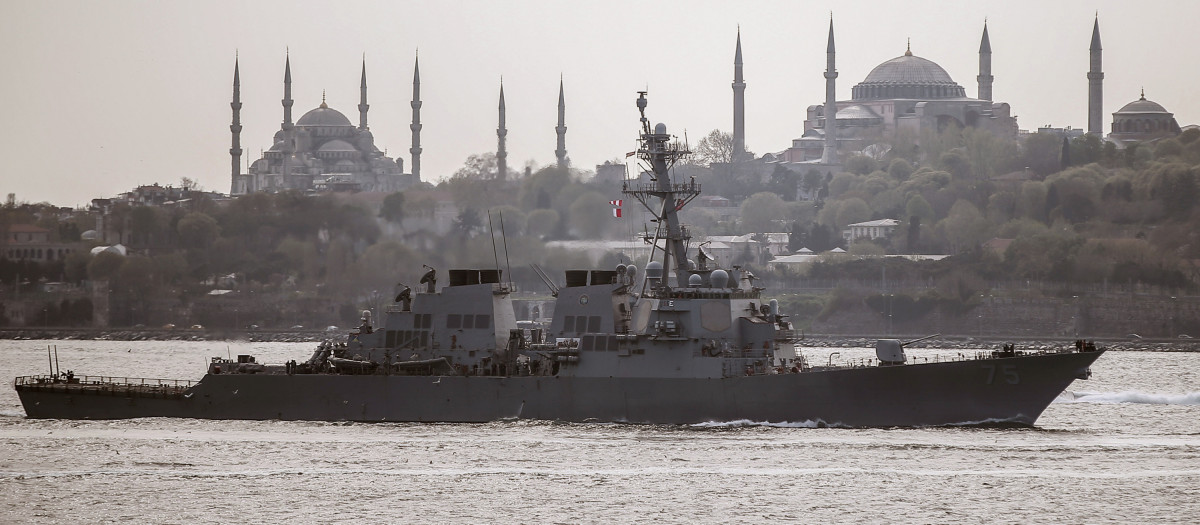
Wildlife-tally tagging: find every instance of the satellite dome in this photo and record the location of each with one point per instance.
(695, 280)
(719, 278)
(654, 270)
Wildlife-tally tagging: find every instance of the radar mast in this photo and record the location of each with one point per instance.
(662, 197)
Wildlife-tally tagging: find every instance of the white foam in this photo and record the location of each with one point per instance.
(747, 423)
(1190, 398)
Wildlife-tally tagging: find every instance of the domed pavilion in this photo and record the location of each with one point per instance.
(1142, 121)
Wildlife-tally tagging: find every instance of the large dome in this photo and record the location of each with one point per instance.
(1142, 105)
(324, 116)
(908, 76)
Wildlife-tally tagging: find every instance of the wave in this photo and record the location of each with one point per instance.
(740, 423)
(1130, 396)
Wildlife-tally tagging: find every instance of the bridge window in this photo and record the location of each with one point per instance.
(586, 343)
(593, 323)
(569, 323)
(453, 321)
(483, 321)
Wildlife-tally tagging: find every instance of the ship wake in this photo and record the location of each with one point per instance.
(1129, 396)
(742, 423)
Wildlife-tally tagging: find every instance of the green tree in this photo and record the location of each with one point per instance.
(392, 209)
(590, 215)
(852, 210)
(542, 222)
(760, 211)
(104, 266)
(147, 222)
(917, 206)
(197, 230)
(964, 226)
(716, 147)
(467, 223)
(76, 265)
(900, 169)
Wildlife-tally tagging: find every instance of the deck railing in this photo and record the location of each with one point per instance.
(64, 382)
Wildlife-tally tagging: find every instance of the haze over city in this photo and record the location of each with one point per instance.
(105, 96)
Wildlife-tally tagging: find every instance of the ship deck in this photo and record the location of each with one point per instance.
(104, 385)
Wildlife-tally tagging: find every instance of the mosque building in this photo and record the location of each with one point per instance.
(907, 94)
(323, 150)
(1142, 121)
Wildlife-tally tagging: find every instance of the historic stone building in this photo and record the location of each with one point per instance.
(1142, 121)
(907, 94)
(322, 150)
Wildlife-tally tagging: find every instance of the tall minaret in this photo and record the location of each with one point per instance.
(287, 93)
(415, 150)
(739, 102)
(287, 122)
(362, 104)
(829, 153)
(985, 66)
(501, 132)
(1096, 85)
(561, 129)
(235, 150)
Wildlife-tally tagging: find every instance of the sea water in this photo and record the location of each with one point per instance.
(1122, 447)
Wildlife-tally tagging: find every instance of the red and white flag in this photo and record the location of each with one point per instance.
(679, 204)
(617, 212)
(616, 202)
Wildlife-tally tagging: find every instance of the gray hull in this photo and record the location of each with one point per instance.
(1007, 390)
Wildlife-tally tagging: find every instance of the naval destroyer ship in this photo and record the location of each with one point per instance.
(678, 343)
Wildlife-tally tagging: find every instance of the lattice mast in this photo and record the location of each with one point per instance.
(661, 196)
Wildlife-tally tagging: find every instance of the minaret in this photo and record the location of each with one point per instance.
(415, 150)
(829, 153)
(561, 129)
(985, 66)
(285, 169)
(739, 102)
(287, 93)
(1096, 85)
(501, 132)
(362, 104)
(235, 150)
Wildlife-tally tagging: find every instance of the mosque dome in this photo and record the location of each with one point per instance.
(324, 116)
(1143, 120)
(336, 146)
(908, 76)
(1142, 105)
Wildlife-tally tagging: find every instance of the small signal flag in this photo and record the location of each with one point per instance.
(617, 212)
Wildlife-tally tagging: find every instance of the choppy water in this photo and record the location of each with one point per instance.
(1123, 448)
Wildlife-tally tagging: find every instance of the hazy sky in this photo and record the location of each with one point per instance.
(103, 96)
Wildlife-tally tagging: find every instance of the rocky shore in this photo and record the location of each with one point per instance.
(810, 340)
